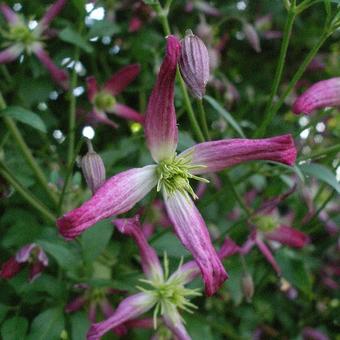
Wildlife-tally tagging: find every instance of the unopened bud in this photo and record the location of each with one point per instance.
(252, 36)
(93, 169)
(194, 64)
(247, 286)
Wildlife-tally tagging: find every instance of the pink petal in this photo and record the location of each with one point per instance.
(10, 268)
(51, 13)
(10, 54)
(135, 24)
(174, 322)
(9, 14)
(288, 236)
(140, 323)
(160, 119)
(252, 37)
(24, 253)
(130, 308)
(268, 255)
(75, 304)
(120, 80)
(92, 87)
(126, 112)
(116, 196)
(100, 117)
(36, 269)
(193, 233)
(58, 75)
(218, 155)
(320, 95)
(313, 334)
(149, 259)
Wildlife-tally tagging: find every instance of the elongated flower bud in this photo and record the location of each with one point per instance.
(320, 95)
(252, 37)
(247, 286)
(93, 169)
(194, 64)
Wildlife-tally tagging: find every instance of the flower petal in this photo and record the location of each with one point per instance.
(149, 259)
(267, 254)
(10, 268)
(193, 233)
(10, 54)
(24, 253)
(320, 95)
(174, 322)
(218, 155)
(130, 308)
(75, 304)
(126, 112)
(288, 236)
(160, 119)
(116, 196)
(120, 80)
(100, 117)
(11, 17)
(51, 13)
(92, 87)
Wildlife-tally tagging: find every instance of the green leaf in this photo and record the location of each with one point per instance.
(80, 325)
(95, 240)
(48, 325)
(3, 311)
(24, 116)
(71, 36)
(169, 243)
(225, 114)
(14, 328)
(322, 173)
(102, 28)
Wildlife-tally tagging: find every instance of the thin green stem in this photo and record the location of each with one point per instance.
(32, 200)
(322, 206)
(26, 152)
(322, 153)
(203, 119)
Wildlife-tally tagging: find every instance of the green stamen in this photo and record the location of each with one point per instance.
(265, 223)
(104, 101)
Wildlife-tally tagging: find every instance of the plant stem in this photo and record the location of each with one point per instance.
(33, 201)
(282, 58)
(26, 152)
(323, 152)
(203, 118)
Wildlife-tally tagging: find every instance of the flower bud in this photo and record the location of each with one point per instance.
(93, 169)
(247, 286)
(194, 64)
(252, 37)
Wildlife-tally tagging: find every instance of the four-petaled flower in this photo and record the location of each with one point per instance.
(166, 293)
(104, 101)
(21, 37)
(172, 172)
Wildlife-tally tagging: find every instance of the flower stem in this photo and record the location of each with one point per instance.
(26, 152)
(203, 118)
(33, 201)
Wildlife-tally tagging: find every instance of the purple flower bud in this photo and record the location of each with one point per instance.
(194, 64)
(252, 36)
(93, 169)
(320, 95)
(248, 286)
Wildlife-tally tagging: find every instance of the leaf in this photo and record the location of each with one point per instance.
(24, 116)
(3, 311)
(71, 36)
(14, 328)
(95, 240)
(80, 325)
(225, 114)
(169, 243)
(48, 325)
(322, 173)
(102, 28)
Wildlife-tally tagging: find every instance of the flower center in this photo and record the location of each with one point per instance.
(104, 101)
(174, 174)
(22, 34)
(265, 223)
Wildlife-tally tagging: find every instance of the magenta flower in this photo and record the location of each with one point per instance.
(320, 95)
(310, 333)
(32, 254)
(21, 38)
(104, 101)
(167, 294)
(171, 175)
(267, 226)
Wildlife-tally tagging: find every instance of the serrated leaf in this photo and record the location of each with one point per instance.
(14, 328)
(24, 116)
(48, 325)
(226, 115)
(322, 173)
(71, 36)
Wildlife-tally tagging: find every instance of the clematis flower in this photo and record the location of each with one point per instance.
(104, 101)
(167, 294)
(320, 95)
(171, 175)
(32, 254)
(310, 333)
(268, 225)
(20, 38)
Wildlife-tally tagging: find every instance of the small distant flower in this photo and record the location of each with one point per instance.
(104, 101)
(32, 254)
(310, 333)
(252, 36)
(325, 93)
(248, 286)
(263, 25)
(141, 13)
(267, 225)
(165, 293)
(202, 6)
(172, 174)
(21, 38)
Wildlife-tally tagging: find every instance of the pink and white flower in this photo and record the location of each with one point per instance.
(104, 101)
(172, 172)
(21, 38)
